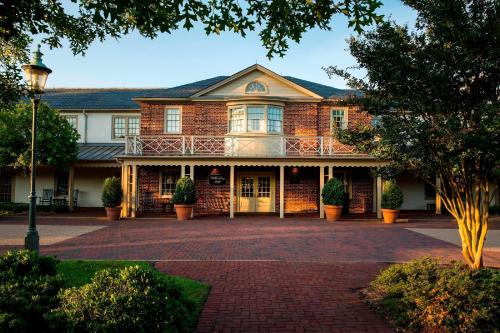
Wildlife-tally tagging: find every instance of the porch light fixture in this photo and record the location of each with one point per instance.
(294, 175)
(36, 74)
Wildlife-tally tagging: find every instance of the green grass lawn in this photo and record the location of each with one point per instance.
(79, 272)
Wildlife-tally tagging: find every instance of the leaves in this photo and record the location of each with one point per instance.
(56, 139)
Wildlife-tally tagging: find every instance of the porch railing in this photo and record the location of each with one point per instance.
(237, 146)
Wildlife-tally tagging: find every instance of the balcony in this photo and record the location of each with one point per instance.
(236, 146)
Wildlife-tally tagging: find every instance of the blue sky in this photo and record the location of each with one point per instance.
(182, 57)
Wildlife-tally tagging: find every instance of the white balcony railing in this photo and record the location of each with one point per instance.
(237, 146)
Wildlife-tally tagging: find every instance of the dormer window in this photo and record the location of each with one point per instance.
(255, 87)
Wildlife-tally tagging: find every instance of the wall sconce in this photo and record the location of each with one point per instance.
(215, 171)
(294, 175)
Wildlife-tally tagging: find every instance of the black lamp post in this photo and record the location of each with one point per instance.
(36, 74)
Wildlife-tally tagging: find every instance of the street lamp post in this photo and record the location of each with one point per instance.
(36, 74)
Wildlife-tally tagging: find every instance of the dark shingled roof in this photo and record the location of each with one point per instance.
(100, 151)
(63, 98)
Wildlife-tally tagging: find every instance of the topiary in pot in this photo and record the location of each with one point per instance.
(112, 197)
(333, 194)
(392, 200)
(184, 197)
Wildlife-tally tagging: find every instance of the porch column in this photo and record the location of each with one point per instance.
(231, 192)
(438, 196)
(321, 185)
(133, 196)
(330, 172)
(282, 191)
(191, 175)
(71, 187)
(374, 195)
(379, 197)
(183, 170)
(125, 197)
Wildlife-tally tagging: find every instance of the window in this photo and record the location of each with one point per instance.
(5, 188)
(168, 180)
(236, 119)
(274, 119)
(338, 119)
(62, 183)
(172, 120)
(125, 125)
(255, 87)
(255, 116)
(72, 120)
(256, 119)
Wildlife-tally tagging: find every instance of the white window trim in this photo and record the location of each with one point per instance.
(172, 107)
(245, 119)
(162, 170)
(72, 116)
(346, 117)
(265, 92)
(113, 117)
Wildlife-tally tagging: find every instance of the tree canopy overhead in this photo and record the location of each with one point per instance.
(436, 91)
(81, 22)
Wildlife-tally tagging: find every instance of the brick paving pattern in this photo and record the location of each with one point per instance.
(267, 275)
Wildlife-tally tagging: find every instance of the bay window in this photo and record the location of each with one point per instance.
(256, 119)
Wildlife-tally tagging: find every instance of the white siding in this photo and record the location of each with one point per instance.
(44, 180)
(414, 193)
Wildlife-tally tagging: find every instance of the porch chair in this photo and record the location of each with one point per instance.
(47, 196)
(147, 200)
(75, 197)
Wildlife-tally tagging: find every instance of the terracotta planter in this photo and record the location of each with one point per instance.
(333, 212)
(113, 213)
(183, 212)
(390, 215)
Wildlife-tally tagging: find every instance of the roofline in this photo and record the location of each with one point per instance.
(228, 99)
(90, 110)
(265, 71)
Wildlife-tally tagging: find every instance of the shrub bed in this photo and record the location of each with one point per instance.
(424, 296)
(120, 297)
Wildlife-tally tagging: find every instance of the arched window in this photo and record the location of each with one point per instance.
(255, 87)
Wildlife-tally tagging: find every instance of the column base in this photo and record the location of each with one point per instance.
(32, 241)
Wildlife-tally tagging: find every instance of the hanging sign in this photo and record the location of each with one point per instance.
(217, 179)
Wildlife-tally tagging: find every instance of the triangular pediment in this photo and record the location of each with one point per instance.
(275, 86)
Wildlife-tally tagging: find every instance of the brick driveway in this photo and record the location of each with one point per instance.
(300, 274)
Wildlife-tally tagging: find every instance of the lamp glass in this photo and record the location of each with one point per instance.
(36, 77)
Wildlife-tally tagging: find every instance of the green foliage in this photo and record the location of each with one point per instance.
(112, 192)
(28, 290)
(132, 299)
(57, 140)
(86, 21)
(434, 90)
(185, 193)
(424, 296)
(333, 192)
(392, 198)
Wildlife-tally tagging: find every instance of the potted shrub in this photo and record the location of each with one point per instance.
(392, 199)
(184, 198)
(333, 197)
(112, 198)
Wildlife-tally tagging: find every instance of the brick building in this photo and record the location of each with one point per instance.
(253, 142)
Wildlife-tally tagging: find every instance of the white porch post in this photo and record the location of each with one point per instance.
(125, 198)
(191, 175)
(374, 195)
(321, 185)
(71, 187)
(183, 170)
(379, 197)
(231, 192)
(282, 191)
(133, 195)
(330, 172)
(438, 196)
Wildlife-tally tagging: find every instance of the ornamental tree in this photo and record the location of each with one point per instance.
(57, 140)
(81, 22)
(434, 93)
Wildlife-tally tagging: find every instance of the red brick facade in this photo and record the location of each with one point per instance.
(211, 119)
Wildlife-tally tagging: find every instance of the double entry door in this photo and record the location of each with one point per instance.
(256, 192)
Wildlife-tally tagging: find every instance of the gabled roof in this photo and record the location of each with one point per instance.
(123, 98)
